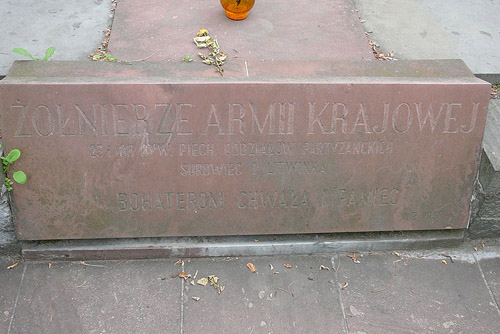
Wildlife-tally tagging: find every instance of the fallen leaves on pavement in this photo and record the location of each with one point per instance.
(286, 265)
(213, 280)
(251, 267)
(202, 281)
(380, 55)
(354, 258)
(13, 266)
(184, 275)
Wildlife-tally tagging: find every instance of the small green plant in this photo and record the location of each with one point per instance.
(48, 53)
(187, 58)
(18, 176)
(104, 57)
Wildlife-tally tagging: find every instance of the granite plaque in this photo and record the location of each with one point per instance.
(115, 151)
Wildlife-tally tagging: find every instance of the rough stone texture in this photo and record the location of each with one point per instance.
(275, 30)
(485, 222)
(431, 29)
(8, 241)
(411, 295)
(128, 159)
(74, 27)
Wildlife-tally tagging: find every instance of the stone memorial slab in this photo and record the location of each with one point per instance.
(152, 149)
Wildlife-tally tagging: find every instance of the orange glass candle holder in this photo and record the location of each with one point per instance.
(237, 9)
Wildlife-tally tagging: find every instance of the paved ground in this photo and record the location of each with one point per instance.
(429, 29)
(412, 29)
(440, 291)
(74, 27)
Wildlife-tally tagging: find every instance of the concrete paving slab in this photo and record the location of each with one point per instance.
(301, 299)
(103, 297)
(9, 287)
(491, 272)
(389, 294)
(274, 30)
(74, 27)
(429, 29)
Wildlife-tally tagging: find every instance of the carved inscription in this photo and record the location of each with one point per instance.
(179, 201)
(211, 169)
(346, 197)
(235, 118)
(292, 158)
(284, 199)
(336, 117)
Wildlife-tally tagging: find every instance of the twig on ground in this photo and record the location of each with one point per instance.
(384, 288)
(287, 289)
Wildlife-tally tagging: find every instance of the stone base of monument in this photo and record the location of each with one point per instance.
(180, 247)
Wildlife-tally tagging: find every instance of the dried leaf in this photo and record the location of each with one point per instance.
(215, 57)
(202, 281)
(202, 32)
(192, 282)
(196, 298)
(49, 265)
(345, 285)
(82, 262)
(213, 280)
(286, 265)
(483, 244)
(396, 253)
(271, 266)
(475, 248)
(179, 262)
(254, 240)
(322, 267)
(13, 266)
(251, 267)
(353, 258)
(444, 262)
(184, 275)
(276, 272)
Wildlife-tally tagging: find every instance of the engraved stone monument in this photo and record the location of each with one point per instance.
(156, 149)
